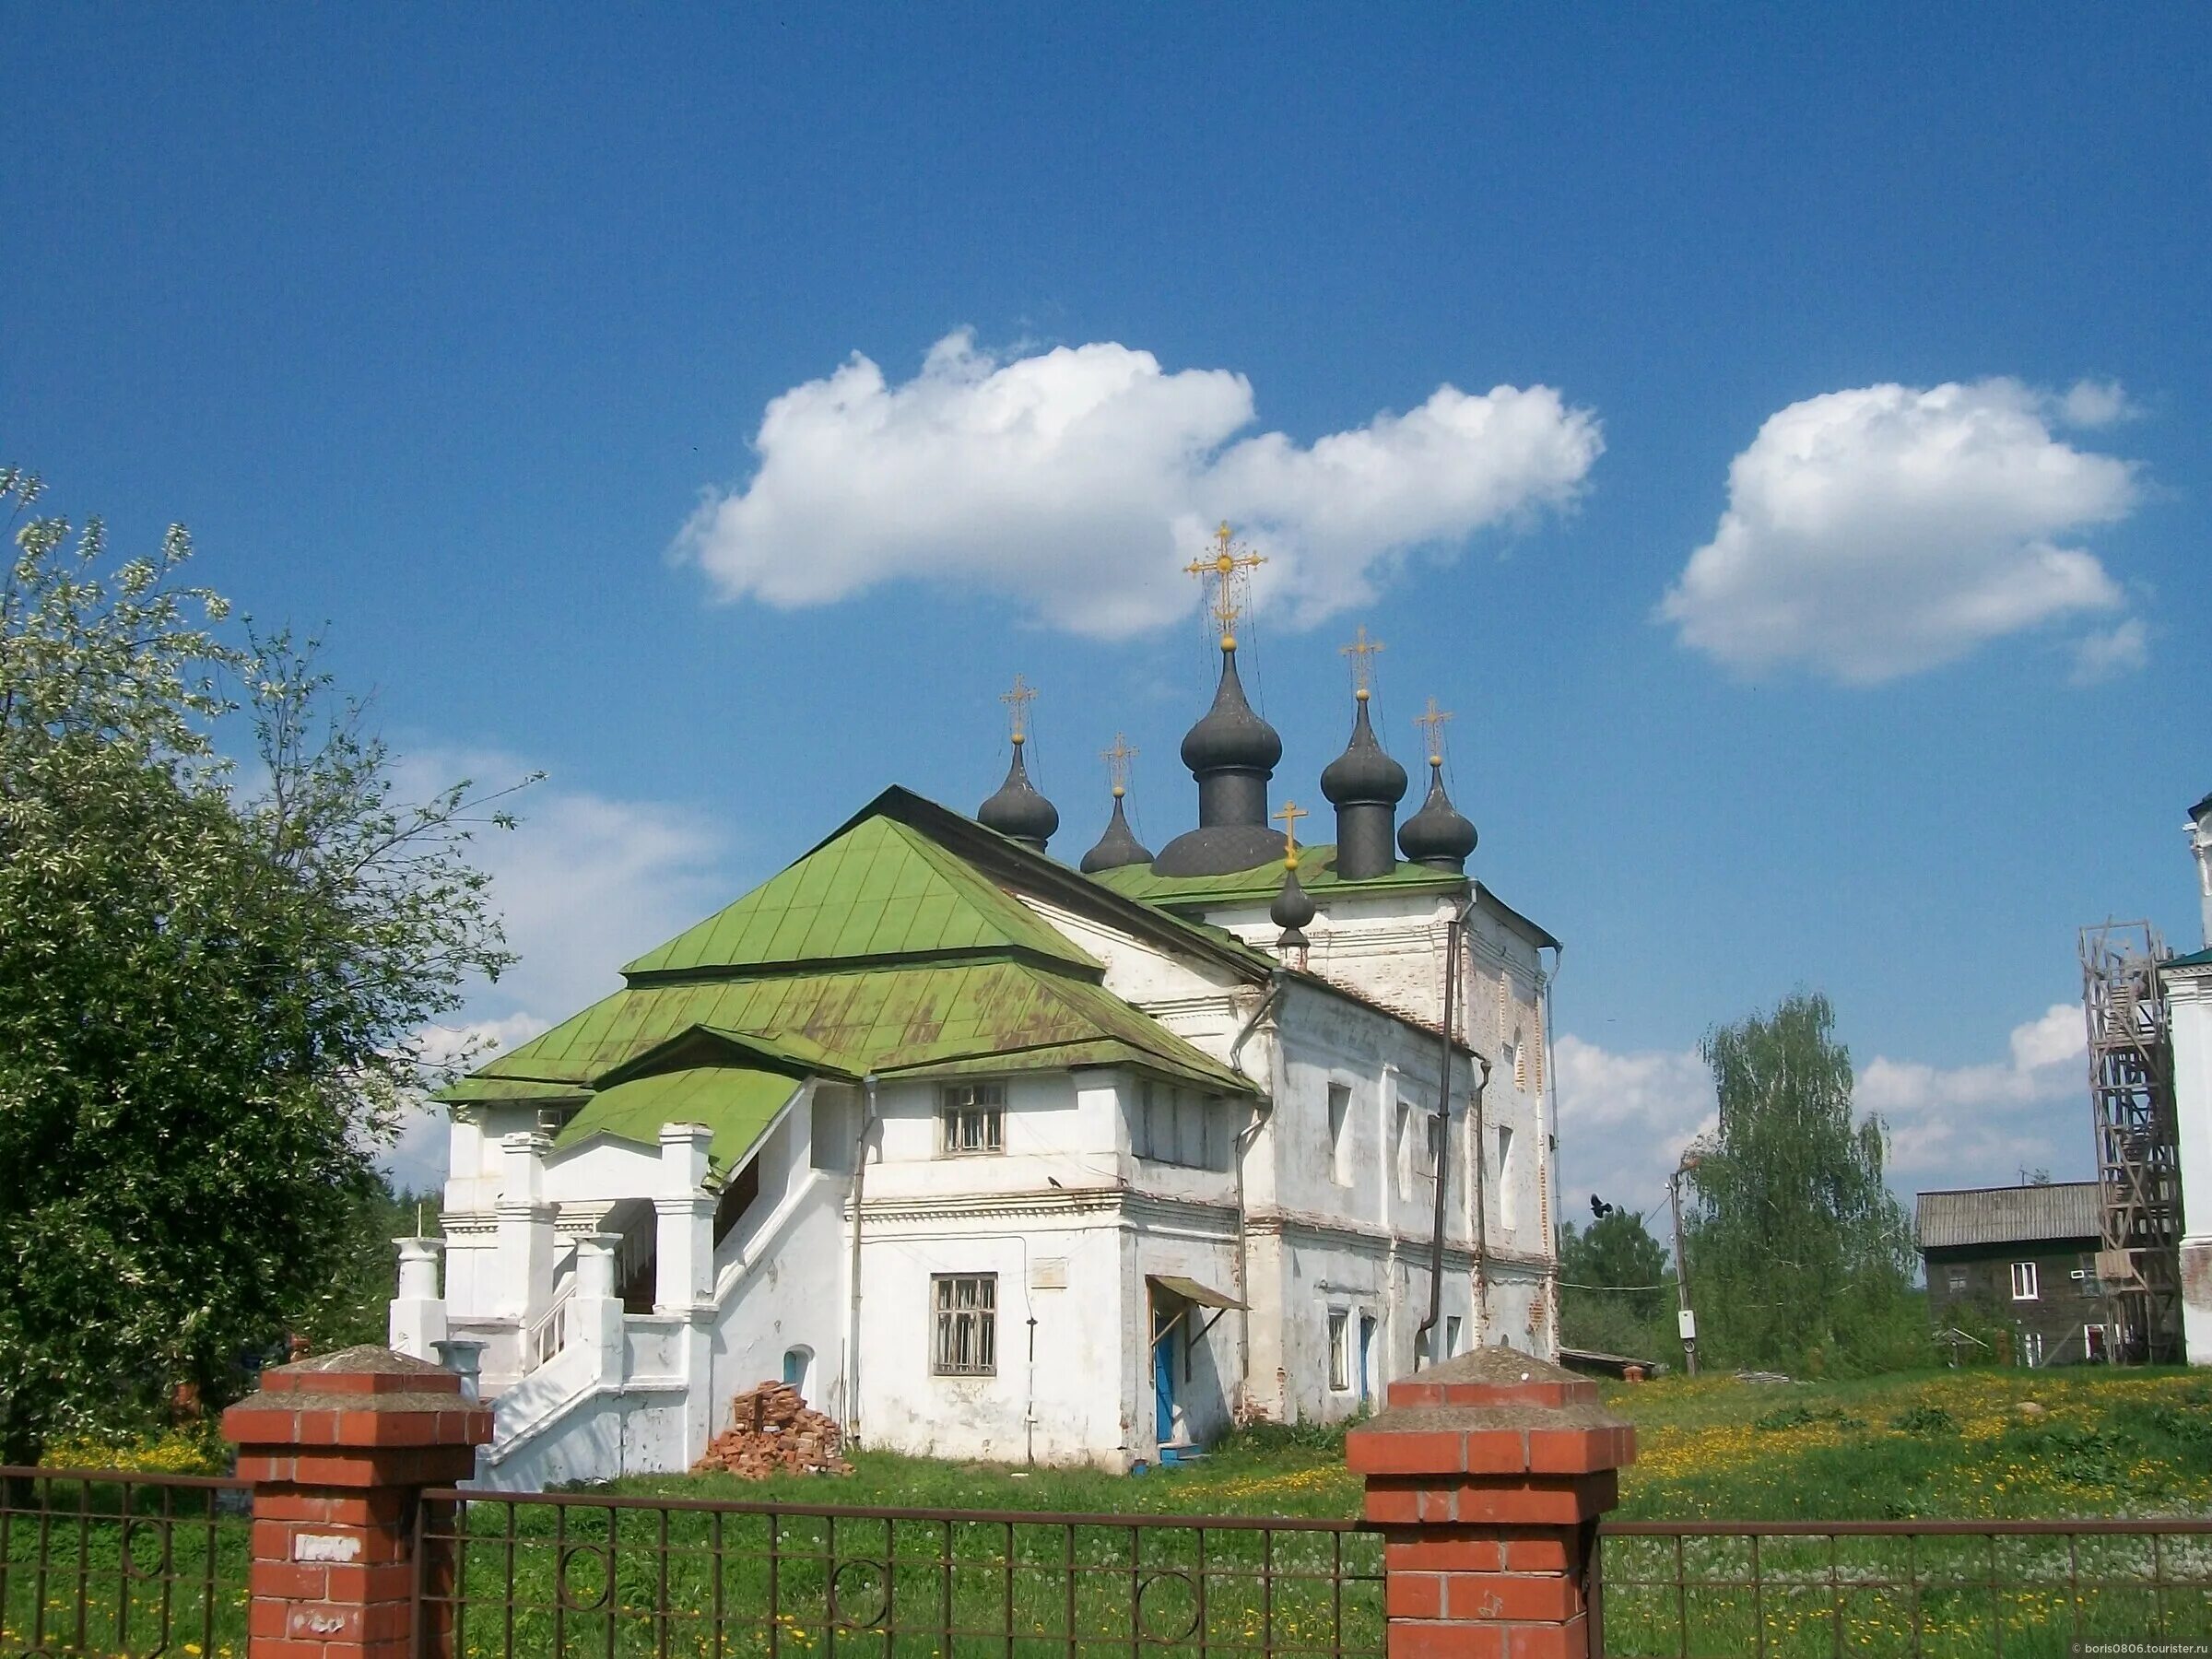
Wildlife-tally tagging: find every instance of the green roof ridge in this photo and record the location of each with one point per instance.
(880, 889)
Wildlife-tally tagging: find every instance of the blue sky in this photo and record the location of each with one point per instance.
(442, 327)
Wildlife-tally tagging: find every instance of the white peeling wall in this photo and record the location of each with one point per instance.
(1064, 1406)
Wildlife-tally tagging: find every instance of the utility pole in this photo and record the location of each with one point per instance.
(1686, 1316)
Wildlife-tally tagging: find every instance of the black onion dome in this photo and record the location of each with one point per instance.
(1438, 834)
(1229, 736)
(1018, 811)
(1363, 773)
(1291, 911)
(1117, 847)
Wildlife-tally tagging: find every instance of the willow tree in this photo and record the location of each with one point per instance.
(1799, 1257)
(211, 978)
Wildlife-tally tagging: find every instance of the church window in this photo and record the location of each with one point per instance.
(1508, 1211)
(1340, 1350)
(1340, 1134)
(967, 1334)
(972, 1117)
(1451, 1334)
(1402, 1149)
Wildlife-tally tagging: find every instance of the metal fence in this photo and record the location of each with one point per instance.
(588, 1574)
(1938, 1589)
(98, 1562)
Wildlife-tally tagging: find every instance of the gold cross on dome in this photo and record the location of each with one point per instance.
(1432, 723)
(1290, 812)
(1362, 652)
(1117, 760)
(1227, 572)
(1018, 703)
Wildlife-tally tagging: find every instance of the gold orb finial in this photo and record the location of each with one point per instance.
(1290, 812)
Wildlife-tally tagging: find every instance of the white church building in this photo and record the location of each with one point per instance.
(999, 1159)
(2188, 981)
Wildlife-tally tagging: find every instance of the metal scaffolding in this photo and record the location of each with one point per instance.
(2139, 1159)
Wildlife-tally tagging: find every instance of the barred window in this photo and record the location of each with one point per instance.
(966, 1324)
(972, 1117)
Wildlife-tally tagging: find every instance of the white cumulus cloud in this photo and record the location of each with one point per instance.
(1076, 481)
(1875, 533)
(1980, 1124)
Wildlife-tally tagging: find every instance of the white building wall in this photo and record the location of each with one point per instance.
(2189, 1001)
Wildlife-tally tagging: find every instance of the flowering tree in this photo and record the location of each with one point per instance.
(219, 932)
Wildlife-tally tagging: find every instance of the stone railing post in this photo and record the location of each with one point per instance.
(339, 1449)
(417, 1313)
(1488, 1475)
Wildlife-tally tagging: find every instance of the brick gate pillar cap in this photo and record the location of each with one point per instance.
(360, 1417)
(1504, 1422)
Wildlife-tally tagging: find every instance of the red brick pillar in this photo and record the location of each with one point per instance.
(339, 1449)
(1487, 1474)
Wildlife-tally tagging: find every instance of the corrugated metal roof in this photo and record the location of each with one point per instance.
(2012, 1215)
(2196, 958)
(883, 889)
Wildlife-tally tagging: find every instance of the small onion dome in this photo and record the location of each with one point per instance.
(1229, 736)
(1291, 911)
(1438, 834)
(1117, 847)
(1363, 773)
(1018, 811)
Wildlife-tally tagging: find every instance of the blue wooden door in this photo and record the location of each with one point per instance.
(1163, 1380)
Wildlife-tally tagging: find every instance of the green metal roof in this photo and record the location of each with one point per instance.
(880, 890)
(737, 1102)
(1316, 873)
(2196, 958)
(881, 950)
(866, 1020)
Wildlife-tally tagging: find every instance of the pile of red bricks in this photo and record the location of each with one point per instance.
(772, 1431)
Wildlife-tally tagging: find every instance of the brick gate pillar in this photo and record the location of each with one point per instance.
(1488, 1475)
(339, 1449)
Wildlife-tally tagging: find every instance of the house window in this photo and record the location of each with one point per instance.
(2023, 1282)
(1450, 1336)
(2092, 1341)
(1508, 1209)
(2031, 1348)
(1955, 1278)
(2085, 1277)
(972, 1117)
(967, 1333)
(1340, 1350)
(1340, 1134)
